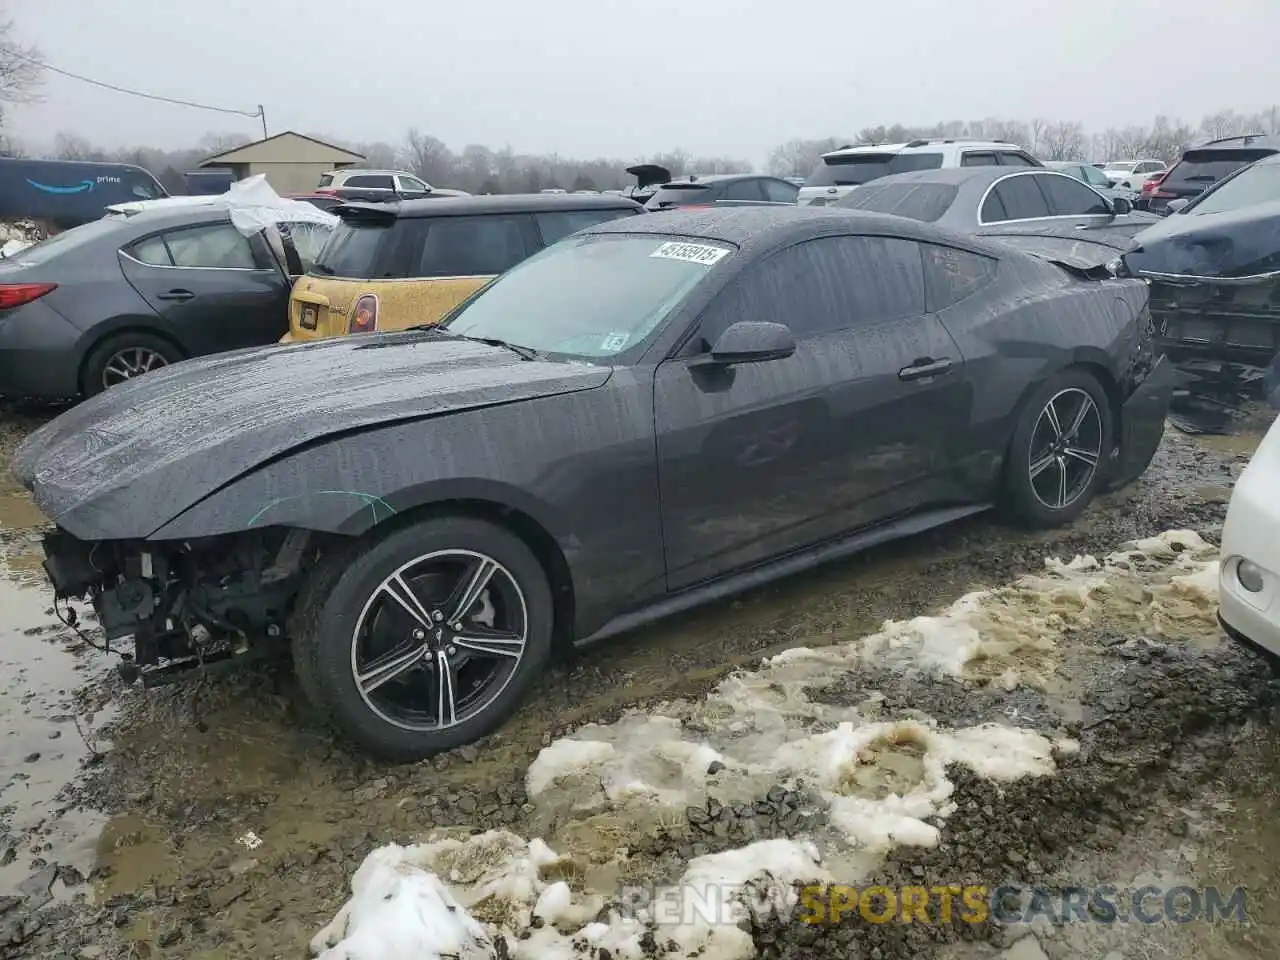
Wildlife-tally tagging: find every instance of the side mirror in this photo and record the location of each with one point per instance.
(748, 341)
(1175, 205)
(1121, 205)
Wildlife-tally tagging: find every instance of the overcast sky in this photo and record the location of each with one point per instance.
(590, 78)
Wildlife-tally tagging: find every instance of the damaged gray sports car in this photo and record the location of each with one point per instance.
(644, 417)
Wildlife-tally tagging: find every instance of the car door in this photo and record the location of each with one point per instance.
(756, 460)
(214, 287)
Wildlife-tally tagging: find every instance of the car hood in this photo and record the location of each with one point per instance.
(124, 463)
(1239, 244)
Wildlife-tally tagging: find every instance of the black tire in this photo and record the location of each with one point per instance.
(1032, 503)
(101, 357)
(331, 608)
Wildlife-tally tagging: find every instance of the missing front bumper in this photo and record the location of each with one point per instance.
(1142, 419)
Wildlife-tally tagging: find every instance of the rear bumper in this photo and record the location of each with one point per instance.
(38, 354)
(1142, 421)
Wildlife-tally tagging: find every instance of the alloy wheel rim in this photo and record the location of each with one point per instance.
(439, 640)
(1066, 448)
(129, 363)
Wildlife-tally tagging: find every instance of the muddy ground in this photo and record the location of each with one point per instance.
(214, 821)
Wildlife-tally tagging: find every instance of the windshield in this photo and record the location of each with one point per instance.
(918, 201)
(1257, 184)
(352, 250)
(855, 169)
(593, 296)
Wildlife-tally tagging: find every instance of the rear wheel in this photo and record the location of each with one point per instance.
(1059, 453)
(425, 639)
(125, 356)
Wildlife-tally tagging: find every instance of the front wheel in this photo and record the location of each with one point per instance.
(426, 639)
(1060, 451)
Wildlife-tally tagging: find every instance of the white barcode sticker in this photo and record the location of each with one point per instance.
(691, 252)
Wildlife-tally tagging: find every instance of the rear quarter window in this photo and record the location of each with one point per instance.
(951, 275)
(358, 250)
(675, 195)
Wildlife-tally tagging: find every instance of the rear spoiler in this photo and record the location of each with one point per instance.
(649, 174)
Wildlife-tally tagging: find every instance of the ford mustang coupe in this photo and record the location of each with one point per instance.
(647, 415)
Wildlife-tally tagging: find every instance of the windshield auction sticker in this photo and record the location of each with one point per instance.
(691, 252)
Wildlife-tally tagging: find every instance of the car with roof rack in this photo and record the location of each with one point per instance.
(840, 171)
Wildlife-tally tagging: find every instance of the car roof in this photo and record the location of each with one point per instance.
(497, 203)
(161, 217)
(920, 144)
(716, 178)
(755, 228)
(1248, 141)
(959, 176)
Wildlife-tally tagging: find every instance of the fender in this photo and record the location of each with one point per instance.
(328, 489)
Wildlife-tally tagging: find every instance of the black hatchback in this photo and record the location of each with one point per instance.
(1204, 165)
(123, 295)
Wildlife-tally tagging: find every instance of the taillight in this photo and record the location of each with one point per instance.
(364, 318)
(326, 191)
(1152, 187)
(16, 294)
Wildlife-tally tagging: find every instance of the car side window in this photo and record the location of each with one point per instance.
(950, 275)
(1020, 199)
(743, 190)
(1096, 177)
(472, 246)
(213, 246)
(1070, 198)
(823, 286)
(976, 158)
(555, 225)
(412, 185)
(1013, 158)
(779, 192)
(151, 251)
(369, 181)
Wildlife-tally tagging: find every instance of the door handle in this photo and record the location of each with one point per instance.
(175, 295)
(924, 368)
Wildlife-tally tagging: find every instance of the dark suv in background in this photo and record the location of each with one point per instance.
(722, 189)
(1204, 165)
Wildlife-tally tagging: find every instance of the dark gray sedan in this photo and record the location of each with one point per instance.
(648, 415)
(121, 296)
(979, 199)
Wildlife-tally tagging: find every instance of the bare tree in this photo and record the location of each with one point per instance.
(1063, 140)
(212, 143)
(70, 146)
(21, 69)
(428, 157)
(797, 158)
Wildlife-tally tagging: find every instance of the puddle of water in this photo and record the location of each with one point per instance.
(41, 751)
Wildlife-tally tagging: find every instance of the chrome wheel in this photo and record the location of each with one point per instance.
(1066, 448)
(129, 363)
(439, 640)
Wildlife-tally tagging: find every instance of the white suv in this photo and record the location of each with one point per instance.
(841, 170)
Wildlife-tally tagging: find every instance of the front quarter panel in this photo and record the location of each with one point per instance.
(581, 465)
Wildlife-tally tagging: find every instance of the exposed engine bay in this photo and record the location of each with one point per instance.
(186, 604)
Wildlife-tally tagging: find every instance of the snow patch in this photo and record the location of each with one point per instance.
(872, 783)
